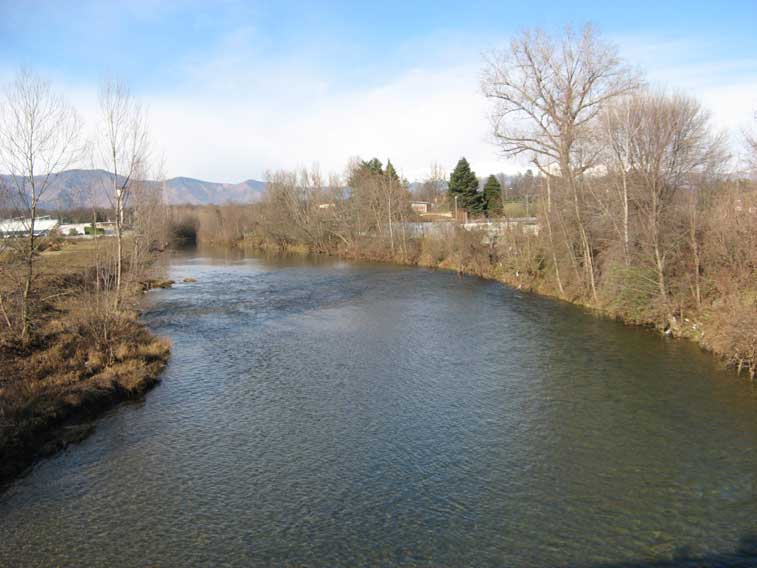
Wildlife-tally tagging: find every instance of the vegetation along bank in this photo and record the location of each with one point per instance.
(81, 356)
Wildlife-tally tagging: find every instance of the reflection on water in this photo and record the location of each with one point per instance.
(325, 413)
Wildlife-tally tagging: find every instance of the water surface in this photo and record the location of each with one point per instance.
(325, 413)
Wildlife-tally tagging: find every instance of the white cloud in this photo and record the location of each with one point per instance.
(725, 84)
(415, 119)
(238, 112)
(258, 114)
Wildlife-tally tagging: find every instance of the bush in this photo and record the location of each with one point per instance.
(732, 329)
(632, 292)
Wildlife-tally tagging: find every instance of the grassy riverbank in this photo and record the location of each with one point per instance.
(81, 359)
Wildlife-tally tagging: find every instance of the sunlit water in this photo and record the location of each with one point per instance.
(334, 414)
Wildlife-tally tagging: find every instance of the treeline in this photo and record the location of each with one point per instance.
(70, 341)
(641, 212)
(42, 135)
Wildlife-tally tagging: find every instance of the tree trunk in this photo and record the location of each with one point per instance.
(551, 240)
(660, 265)
(98, 271)
(626, 239)
(119, 248)
(695, 252)
(5, 314)
(25, 305)
(588, 259)
(659, 257)
(391, 231)
(567, 173)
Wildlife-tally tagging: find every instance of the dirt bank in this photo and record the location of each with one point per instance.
(82, 358)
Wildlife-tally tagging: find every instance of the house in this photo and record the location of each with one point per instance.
(421, 207)
(19, 227)
(106, 227)
(73, 229)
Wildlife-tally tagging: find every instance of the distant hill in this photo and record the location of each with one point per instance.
(199, 192)
(76, 188)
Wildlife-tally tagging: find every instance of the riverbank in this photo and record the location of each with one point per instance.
(83, 358)
(727, 327)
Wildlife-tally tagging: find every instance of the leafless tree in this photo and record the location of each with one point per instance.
(291, 206)
(148, 212)
(5, 249)
(433, 188)
(39, 137)
(671, 142)
(616, 135)
(547, 214)
(548, 93)
(750, 141)
(123, 146)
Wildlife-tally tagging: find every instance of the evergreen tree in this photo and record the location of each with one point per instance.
(492, 196)
(463, 183)
(391, 173)
(373, 166)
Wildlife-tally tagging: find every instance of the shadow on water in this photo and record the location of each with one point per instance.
(745, 556)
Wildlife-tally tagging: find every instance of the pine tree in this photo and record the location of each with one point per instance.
(463, 183)
(373, 166)
(391, 173)
(492, 196)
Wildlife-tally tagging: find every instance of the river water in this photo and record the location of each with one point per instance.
(321, 413)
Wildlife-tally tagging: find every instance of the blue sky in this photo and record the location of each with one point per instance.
(236, 88)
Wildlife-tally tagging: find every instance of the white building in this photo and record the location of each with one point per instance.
(73, 229)
(421, 207)
(106, 228)
(20, 227)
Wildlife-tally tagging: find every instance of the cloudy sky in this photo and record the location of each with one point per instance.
(238, 88)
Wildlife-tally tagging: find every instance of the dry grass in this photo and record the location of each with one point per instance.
(83, 358)
(731, 329)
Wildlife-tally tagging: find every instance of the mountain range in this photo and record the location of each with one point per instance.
(79, 188)
(74, 189)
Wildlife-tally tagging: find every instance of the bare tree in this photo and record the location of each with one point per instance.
(548, 93)
(148, 218)
(367, 196)
(341, 223)
(616, 136)
(5, 254)
(39, 137)
(751, 146)
(672, 141)
(433, 188)
(291, 208)
(124, 148)
(547, 213)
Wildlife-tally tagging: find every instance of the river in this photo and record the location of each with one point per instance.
(323, 413)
